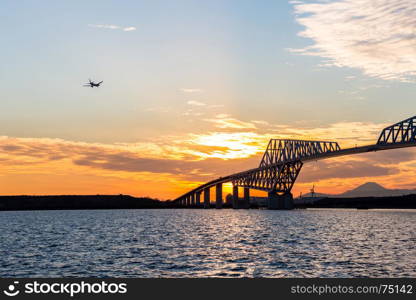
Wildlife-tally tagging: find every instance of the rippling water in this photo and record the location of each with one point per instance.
(206, 243)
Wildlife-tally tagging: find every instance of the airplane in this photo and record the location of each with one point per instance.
(92, 84)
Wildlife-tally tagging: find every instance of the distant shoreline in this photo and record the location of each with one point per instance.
(390, 202)
(99, 202)
(78, 202)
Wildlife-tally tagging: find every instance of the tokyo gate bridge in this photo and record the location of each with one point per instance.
(281, 163)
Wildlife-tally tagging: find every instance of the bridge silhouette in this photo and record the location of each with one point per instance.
(281, 164)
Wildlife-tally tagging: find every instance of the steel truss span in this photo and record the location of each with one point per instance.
(280, 151)
(275, 177)
(401, 132)
(284, 158)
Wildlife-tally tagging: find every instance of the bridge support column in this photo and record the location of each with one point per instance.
(235, 197)
(198, 199)
(276, 201)
(246, 203)
(207, 202)
(188, 201)
(218, 194)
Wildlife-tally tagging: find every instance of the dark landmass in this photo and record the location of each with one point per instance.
(79, 202)
(406, 201)
(75, 202)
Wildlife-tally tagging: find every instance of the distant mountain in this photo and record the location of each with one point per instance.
(369, 189)
(372, 189)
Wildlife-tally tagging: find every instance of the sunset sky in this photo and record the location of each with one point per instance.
(194, 89)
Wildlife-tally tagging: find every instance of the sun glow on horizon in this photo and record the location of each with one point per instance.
(230, 145)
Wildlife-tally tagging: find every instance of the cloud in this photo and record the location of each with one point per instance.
(330, 169)
(377, 37)
(191, 112)
(131, 28)
(192, 170)
(224, 121)
(346, 133)
(216, 105)
(226, 145)
(391, 158)
(109, 26)
(104, 26)
(131, 163)
(260, 122)
(197, 157)
(195, 103)
(231, 145)
(188, 90)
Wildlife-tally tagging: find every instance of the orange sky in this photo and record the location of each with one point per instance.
(166, 167)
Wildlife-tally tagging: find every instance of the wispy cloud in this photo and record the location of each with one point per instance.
(225, 121)
(130, 28)
(192, 112)
(195, 103)
(225, 145)
(260, 122)
(378, 37)
(216, 105)
(190, 90)
(110, 26)
(344, 169)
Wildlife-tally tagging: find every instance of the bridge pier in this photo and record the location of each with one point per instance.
(193, 199)
(207, 202)
(198, 199)
(246, 201)
(218, 194)
(276, 201)
(235, 197)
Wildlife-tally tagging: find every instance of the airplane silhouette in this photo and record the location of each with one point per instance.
(93, 84)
